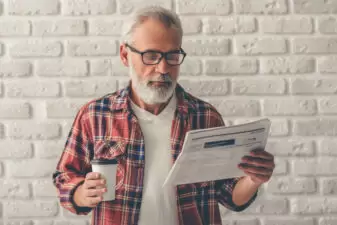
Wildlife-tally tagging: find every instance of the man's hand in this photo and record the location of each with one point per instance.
(259, 166)
(90, 193)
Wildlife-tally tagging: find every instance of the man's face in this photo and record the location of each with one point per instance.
(153, 83)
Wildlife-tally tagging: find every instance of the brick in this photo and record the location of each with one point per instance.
(261, 7)
(12, 68)
(62, 27)
(260, 46)
(191, 67)
(2, 132)
(289, 185)
(279, 128)
(231, 66)
(327, 221)
(1, 49)
(44, 188)
(14, 189)
(309, 7)
(243, 221)
(19, 222)
(287, 25)
(63, 108)
(35, 48)
(213, 7)
(49, 149)
(313, 205)
(289, 107)
(237, 107)
(286, 65)
(231, 25)
(289, 221)
(328, 65)
(15, 110)
(329, 186)
(14, 28)
(313, 86)
(328, 106)
(88, 89)
(258, 86)
(108, 67)
(206, 47)
(327, 147)
(269, 206)
(20, 209)
(32, 168)
(191, 25)
(62, 222)
(33, 130)
(324, 165)
(33, 8)
(328, 25)
(130, 6)
(33, 88)
(1, 172)
(105, 27)
(88, 7)
(62, 67)
(315, 127)
(92, 48)
(16, 149)
(292, 147)
(315, 45)
(205, 87)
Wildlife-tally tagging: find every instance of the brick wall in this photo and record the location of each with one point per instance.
(250, 58)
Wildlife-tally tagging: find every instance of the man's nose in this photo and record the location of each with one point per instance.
(162, 67)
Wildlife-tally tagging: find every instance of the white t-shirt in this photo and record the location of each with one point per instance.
(156, 130)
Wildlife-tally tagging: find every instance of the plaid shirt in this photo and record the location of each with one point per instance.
(107, 128)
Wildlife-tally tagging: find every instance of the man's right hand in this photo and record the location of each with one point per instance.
(90, 193)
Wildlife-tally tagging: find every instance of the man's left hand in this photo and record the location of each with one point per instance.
(259, 166)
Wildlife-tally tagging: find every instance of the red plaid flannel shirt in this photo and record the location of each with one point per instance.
(107, 128)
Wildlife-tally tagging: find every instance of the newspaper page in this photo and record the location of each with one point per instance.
(213, 154)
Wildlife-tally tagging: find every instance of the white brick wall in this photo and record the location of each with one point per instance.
(250, 58)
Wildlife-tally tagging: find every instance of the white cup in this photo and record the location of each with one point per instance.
(108, 170)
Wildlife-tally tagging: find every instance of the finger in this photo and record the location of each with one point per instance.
(88, 184)
(262, 154)
(93, 201)
(258, 162)
(92, 176)
(255, 170)
(257, 176)
(95, 192)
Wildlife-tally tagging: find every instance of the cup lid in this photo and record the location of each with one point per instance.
(104, 161)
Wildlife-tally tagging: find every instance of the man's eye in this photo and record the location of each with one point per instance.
(151, 55)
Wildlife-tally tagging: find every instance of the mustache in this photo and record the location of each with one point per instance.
(161, 78)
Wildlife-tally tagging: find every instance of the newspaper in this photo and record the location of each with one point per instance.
(213, 154)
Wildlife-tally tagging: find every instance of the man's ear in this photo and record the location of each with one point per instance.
(123, 53)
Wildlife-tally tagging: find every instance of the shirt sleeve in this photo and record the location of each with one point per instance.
(225, 187)
(224, 194)
(74, 164)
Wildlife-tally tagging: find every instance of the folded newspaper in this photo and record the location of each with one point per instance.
(213, 154)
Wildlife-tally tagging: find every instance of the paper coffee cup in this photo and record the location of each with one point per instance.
(108, 170)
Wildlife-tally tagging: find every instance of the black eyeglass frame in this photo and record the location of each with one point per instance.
(163, 55)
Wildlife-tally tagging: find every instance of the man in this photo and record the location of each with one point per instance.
(143, 127)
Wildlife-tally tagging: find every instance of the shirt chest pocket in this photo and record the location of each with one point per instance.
(113, 149)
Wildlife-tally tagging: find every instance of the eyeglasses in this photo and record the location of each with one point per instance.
(151, 57)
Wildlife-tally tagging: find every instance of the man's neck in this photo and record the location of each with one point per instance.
(152, 108)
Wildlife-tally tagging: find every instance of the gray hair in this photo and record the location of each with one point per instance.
(167, 17)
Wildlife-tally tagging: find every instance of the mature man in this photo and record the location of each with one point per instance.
(143, 127)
